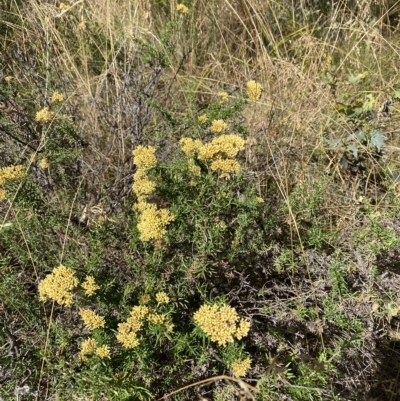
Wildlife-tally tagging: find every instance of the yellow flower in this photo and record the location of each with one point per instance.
(202, 119)
(11, 173)
(169, 326)
(44, 115)
(243, 329)
(144, 157)
(223, 96)
(259, 200)
(88, 347)
(58, 286)
(57, 97)
(44, 164)
(91, 319)
(227, 145)
(142, 186)
(181, 8)
(241, 367)
(226, 166)
(103, 351)
(90, 286)
(190, 146)
(156, 318)
(220, 323)
(3, 194)
(162, 297)
(127, 331)
(63, 7)
(152, 222)
(8, 79)
(218, 126)
(254, 90)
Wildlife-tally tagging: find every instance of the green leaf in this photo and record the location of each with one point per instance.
(377, 139)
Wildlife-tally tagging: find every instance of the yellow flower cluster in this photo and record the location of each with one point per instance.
(223, 96)
(218, 126)
(11, 173)
(162, 297)
(91, 319)
(144, 157)
(156, 318)
(241, 367)
(63, 7)
(57, 97)
(7, 174)
(259, 199)
(8, 78)
(226, 145)
(90, 286)
(58, 286)
(142, 186)
(44, 115)
(254, 90)
(190, 146)
(3, 194)
(89, 347)
(44, 164)
(103, 351)
(227, 166)
(182, 9)
(152, 221)
(128, 330)
(220, 323)
(220, 151)
(202, 119)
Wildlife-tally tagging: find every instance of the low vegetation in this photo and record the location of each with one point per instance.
(199, 200)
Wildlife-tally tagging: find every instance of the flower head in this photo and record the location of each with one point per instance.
(63, 7)
(142, 185)
(90, 286)
(203, 118)
(220, 323)
(226, 145)
(223, 96)
(58, 286)
(11, 173)
(144, 157)
(88, 347)
(44, 115)
(127, 331)
(226, 166)
(162, 297)
(8, 78)
(44, 163)
(91, 319)
(152, 221)
(57, 97)
(103, 351)
(254, 90)
(218, 126)
(182, 9)
(190, 146)
(241, 367)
